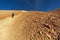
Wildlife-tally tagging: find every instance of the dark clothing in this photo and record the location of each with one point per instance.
(12, 15)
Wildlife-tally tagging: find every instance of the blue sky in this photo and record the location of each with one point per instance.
(41, 5)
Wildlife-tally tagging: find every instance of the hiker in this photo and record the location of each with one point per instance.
(12, 15)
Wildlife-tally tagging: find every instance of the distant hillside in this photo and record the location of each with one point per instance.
(57, 10)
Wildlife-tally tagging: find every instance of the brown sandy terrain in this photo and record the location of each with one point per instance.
(29, 25)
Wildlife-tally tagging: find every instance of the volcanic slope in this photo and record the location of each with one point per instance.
(31, 25)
